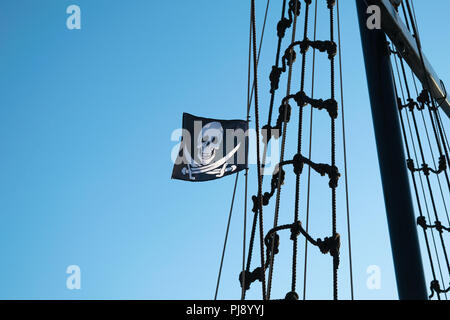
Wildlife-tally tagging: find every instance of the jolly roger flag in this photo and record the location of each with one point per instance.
(211, 149)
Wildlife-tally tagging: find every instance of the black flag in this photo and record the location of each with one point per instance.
(211, 149)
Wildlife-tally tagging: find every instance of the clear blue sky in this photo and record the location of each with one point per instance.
(86, 118)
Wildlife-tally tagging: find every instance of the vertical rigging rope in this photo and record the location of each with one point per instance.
(331, 244)
(310, 153)
(299, 149)
(246, 170)
(258, 160)
(422, 154)
(333, 152)
(427, 85)
(435, 109)
(438, 132)
(283, 140)
(249, 102)
(260, 43)
(412, 173)
(269, 121)
(431, 149)
(345, 152)
(226, 235)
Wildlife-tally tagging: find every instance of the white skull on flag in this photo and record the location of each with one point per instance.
(208, 142)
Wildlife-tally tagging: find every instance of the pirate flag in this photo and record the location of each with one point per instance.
(210, 149)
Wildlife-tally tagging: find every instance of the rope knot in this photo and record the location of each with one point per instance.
(334, 177)
(274, 77)
(439, 227)
(410, 165)
(298, 164)
(273, 240)
(436, 288)
(332, 107)
(330, 47)
(331, 3)
(255, 200)
(426, 169)
(294, 6)
(285, 109)
(291, 296)
(422, 222)
(332, 171)
(399, 103)
(274, 182)
(301, 98)
(296, 230)
(268, 132)
(282, 26)
(289, 57)
(411, 105)
(304, 46)
(423, 98)
(330, 245)
(266, 198)
(442, 163)
(250, 277)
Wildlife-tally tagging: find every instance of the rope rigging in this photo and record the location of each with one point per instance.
(258, 159)
(423, 167)
(435, 287)
(249, 102)
(294, 10)
(310, 154)
(271, 241)
(424, 171)
(433, 110)
(410, 107)
(226, 236)
(413, 176)
(439, 134)
(344, 144)
(423, 99)
(322, 168)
